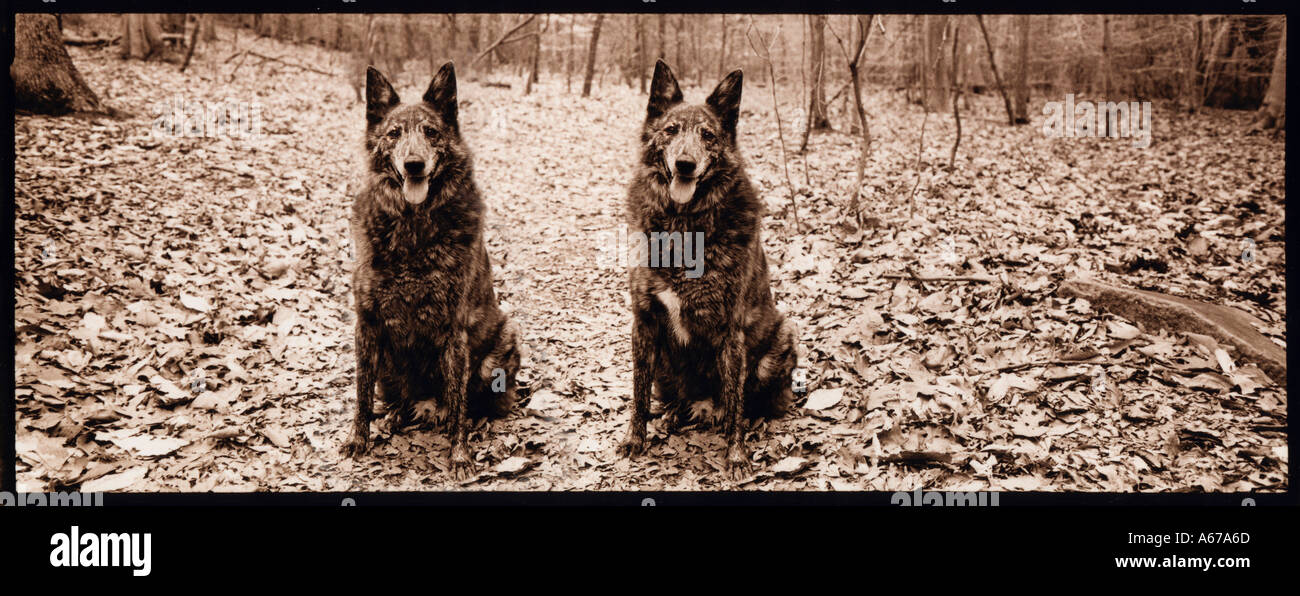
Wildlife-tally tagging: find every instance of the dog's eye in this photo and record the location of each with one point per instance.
(706, 134)
(430, 131)
(395, 133)
(672, 129)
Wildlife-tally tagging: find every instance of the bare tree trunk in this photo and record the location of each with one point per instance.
(366, 55)
(475, 26)
(697, 65)
(141, 36)
(864, 23)
(677, 43)
(537, 48)
(817, 97)
(956, 94)
(722, 53)
(452, 36)
(1210, 77)
(766, 55)
(172, 22)
(816, 117)
(45, 80)
(568, 61)
(997, 78)
(1273, 112)
(1105, 57)
(536, 59)
(936, 84)
(639, 23)
(1022, 73)
(209, 27)
(431, 52)
(1105, 69)
(368, 44)
(663, 37)
(200, 23)
(591, 55)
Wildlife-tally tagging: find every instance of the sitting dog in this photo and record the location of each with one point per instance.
(712, 332)
(428, 324)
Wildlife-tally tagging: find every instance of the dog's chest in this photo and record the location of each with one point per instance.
(411, 307)
(691, 310)
(410, 291)
(673, 305)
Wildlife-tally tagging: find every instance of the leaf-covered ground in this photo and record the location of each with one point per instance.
(184, 310)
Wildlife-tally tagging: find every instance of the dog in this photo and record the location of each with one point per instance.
(713, 333)
(428, 325)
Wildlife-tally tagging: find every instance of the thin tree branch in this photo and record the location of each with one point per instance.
(501, 40)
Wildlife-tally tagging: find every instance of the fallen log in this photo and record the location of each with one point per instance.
(1156, 310)
(89, 41)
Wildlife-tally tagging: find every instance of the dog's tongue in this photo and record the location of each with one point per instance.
(416, 190)
(681, 190)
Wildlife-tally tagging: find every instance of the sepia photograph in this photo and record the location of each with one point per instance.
(943, 257)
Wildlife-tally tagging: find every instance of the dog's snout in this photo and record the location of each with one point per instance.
(685, 167)
(414, 167)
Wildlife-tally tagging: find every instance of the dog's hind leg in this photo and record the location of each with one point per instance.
(494, 388)
(668, 391)
(390, 394)
(769, 390)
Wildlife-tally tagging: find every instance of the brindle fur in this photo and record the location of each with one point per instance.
(428, 324)
(718, 336)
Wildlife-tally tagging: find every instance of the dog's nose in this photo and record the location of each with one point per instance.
(415, 167)
(685, 167)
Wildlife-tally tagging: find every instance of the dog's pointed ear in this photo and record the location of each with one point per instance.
(442, 95)
(380, 96)
(725, 101)
(664, 91)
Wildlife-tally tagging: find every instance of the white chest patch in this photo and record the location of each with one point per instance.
(674, 307)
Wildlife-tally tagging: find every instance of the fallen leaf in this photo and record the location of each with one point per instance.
(824, 398)
(790, 466)
(513, 465)
(195, 303)
(115, 482)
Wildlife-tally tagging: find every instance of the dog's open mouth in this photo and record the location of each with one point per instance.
(682, 188)
(415, 189)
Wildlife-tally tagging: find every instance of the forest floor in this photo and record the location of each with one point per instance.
(183, 304)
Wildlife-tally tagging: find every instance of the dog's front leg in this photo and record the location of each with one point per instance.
(455, 373)
(731, 370)
(643, 354)
(367, 362)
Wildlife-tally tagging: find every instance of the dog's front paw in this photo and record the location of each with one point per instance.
(461, 467)
(356, 445)
(738, 466)
(632, 446)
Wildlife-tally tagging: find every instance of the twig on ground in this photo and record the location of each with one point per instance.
(1046, 363)
(979, 279)
(264, 58)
